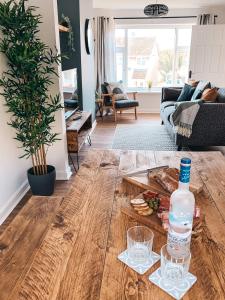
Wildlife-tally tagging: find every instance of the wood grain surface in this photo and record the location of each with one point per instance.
(68, 250)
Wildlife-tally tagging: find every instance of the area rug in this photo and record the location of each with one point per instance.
(143, 137)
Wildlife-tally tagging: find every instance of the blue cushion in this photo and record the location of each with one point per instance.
(126, 104)
(186, 93)
(200, 89)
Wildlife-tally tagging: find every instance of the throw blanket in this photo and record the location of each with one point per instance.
(184, 117)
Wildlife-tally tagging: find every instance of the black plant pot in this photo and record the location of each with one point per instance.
(42, 185)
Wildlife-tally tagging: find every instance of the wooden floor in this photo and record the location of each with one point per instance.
(102, 137)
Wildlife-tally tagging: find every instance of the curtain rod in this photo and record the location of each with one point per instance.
(150, 18)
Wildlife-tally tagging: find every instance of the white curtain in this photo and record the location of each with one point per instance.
(206, 19)
(105, 51)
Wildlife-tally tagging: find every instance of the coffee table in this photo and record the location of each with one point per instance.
(78, 256)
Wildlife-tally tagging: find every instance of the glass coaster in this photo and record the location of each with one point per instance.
(139, 268)
(177, 291)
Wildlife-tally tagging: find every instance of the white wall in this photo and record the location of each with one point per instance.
(87, 61)
(13, 178)
(150, 102)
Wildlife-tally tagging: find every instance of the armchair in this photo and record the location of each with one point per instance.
(110, 101)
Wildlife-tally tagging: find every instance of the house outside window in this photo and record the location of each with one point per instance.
(158, 54)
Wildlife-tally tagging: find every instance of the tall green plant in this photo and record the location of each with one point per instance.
(31, 65)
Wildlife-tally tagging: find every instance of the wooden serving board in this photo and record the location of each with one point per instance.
(143, 181)
(151, 221)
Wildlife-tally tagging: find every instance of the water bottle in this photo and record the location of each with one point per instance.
(181, 213)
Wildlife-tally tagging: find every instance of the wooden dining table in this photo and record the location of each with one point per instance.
(77, 258)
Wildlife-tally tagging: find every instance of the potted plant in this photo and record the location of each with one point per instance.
(149, 84)
(65, 21)
(31, 65)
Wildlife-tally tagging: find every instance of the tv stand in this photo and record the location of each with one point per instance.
(78, 128)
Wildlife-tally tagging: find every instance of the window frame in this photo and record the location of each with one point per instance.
(124, 50)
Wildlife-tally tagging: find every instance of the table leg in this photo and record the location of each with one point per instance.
(78, 165)
(72, 162)
(89, 140)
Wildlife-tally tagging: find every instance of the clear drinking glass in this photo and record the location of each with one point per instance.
(174, 269)
(139, 244)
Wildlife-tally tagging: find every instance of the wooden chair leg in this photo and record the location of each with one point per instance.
(135, 111)
(115, 114)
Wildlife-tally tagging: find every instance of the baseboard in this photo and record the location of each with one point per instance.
(13, 201)
(21, 192)
(143, 111)
(93, 126)
(64, 175)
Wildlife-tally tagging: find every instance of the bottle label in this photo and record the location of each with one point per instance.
(179, 245)
(185, 171)
(179, 234)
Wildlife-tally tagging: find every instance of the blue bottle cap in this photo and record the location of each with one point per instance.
(186, 161)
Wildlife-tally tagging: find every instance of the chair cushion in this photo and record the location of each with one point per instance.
(126, 104)
(107, 99)
(117, 89)
(200, 89)
(166, 104)
(186, 93)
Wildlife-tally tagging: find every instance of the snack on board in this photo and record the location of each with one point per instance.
(167, 178)
(141, 207)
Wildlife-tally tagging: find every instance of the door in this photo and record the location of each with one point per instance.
(207, 58)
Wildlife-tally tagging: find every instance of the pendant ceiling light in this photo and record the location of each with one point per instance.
(156, 10)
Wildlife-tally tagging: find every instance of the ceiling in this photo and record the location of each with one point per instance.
(139, 4)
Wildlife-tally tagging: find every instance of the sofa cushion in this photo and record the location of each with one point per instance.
(210, 95)
(126, 104)
(170, 94)
(186, 93)
(221, 95)
(166, 104)
(168, 111)
(200, 88)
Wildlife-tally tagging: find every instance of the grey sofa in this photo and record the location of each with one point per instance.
(209, 125)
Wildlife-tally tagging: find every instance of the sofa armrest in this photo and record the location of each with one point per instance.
(170, 93)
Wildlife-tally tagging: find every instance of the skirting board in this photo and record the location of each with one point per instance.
(21, 192)
(93, 126)
(143, 111)
(13, 201)
(64, 175)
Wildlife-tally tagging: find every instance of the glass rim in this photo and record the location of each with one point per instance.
(143, 227)
(187, 256)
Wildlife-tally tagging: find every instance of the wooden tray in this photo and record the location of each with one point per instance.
(143, 181)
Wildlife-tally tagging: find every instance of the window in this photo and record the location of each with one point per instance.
(157, 56)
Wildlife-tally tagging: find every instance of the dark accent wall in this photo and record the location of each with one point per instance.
(78, 11)
(71, 8)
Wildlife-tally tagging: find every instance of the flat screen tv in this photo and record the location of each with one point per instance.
(69, 81)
